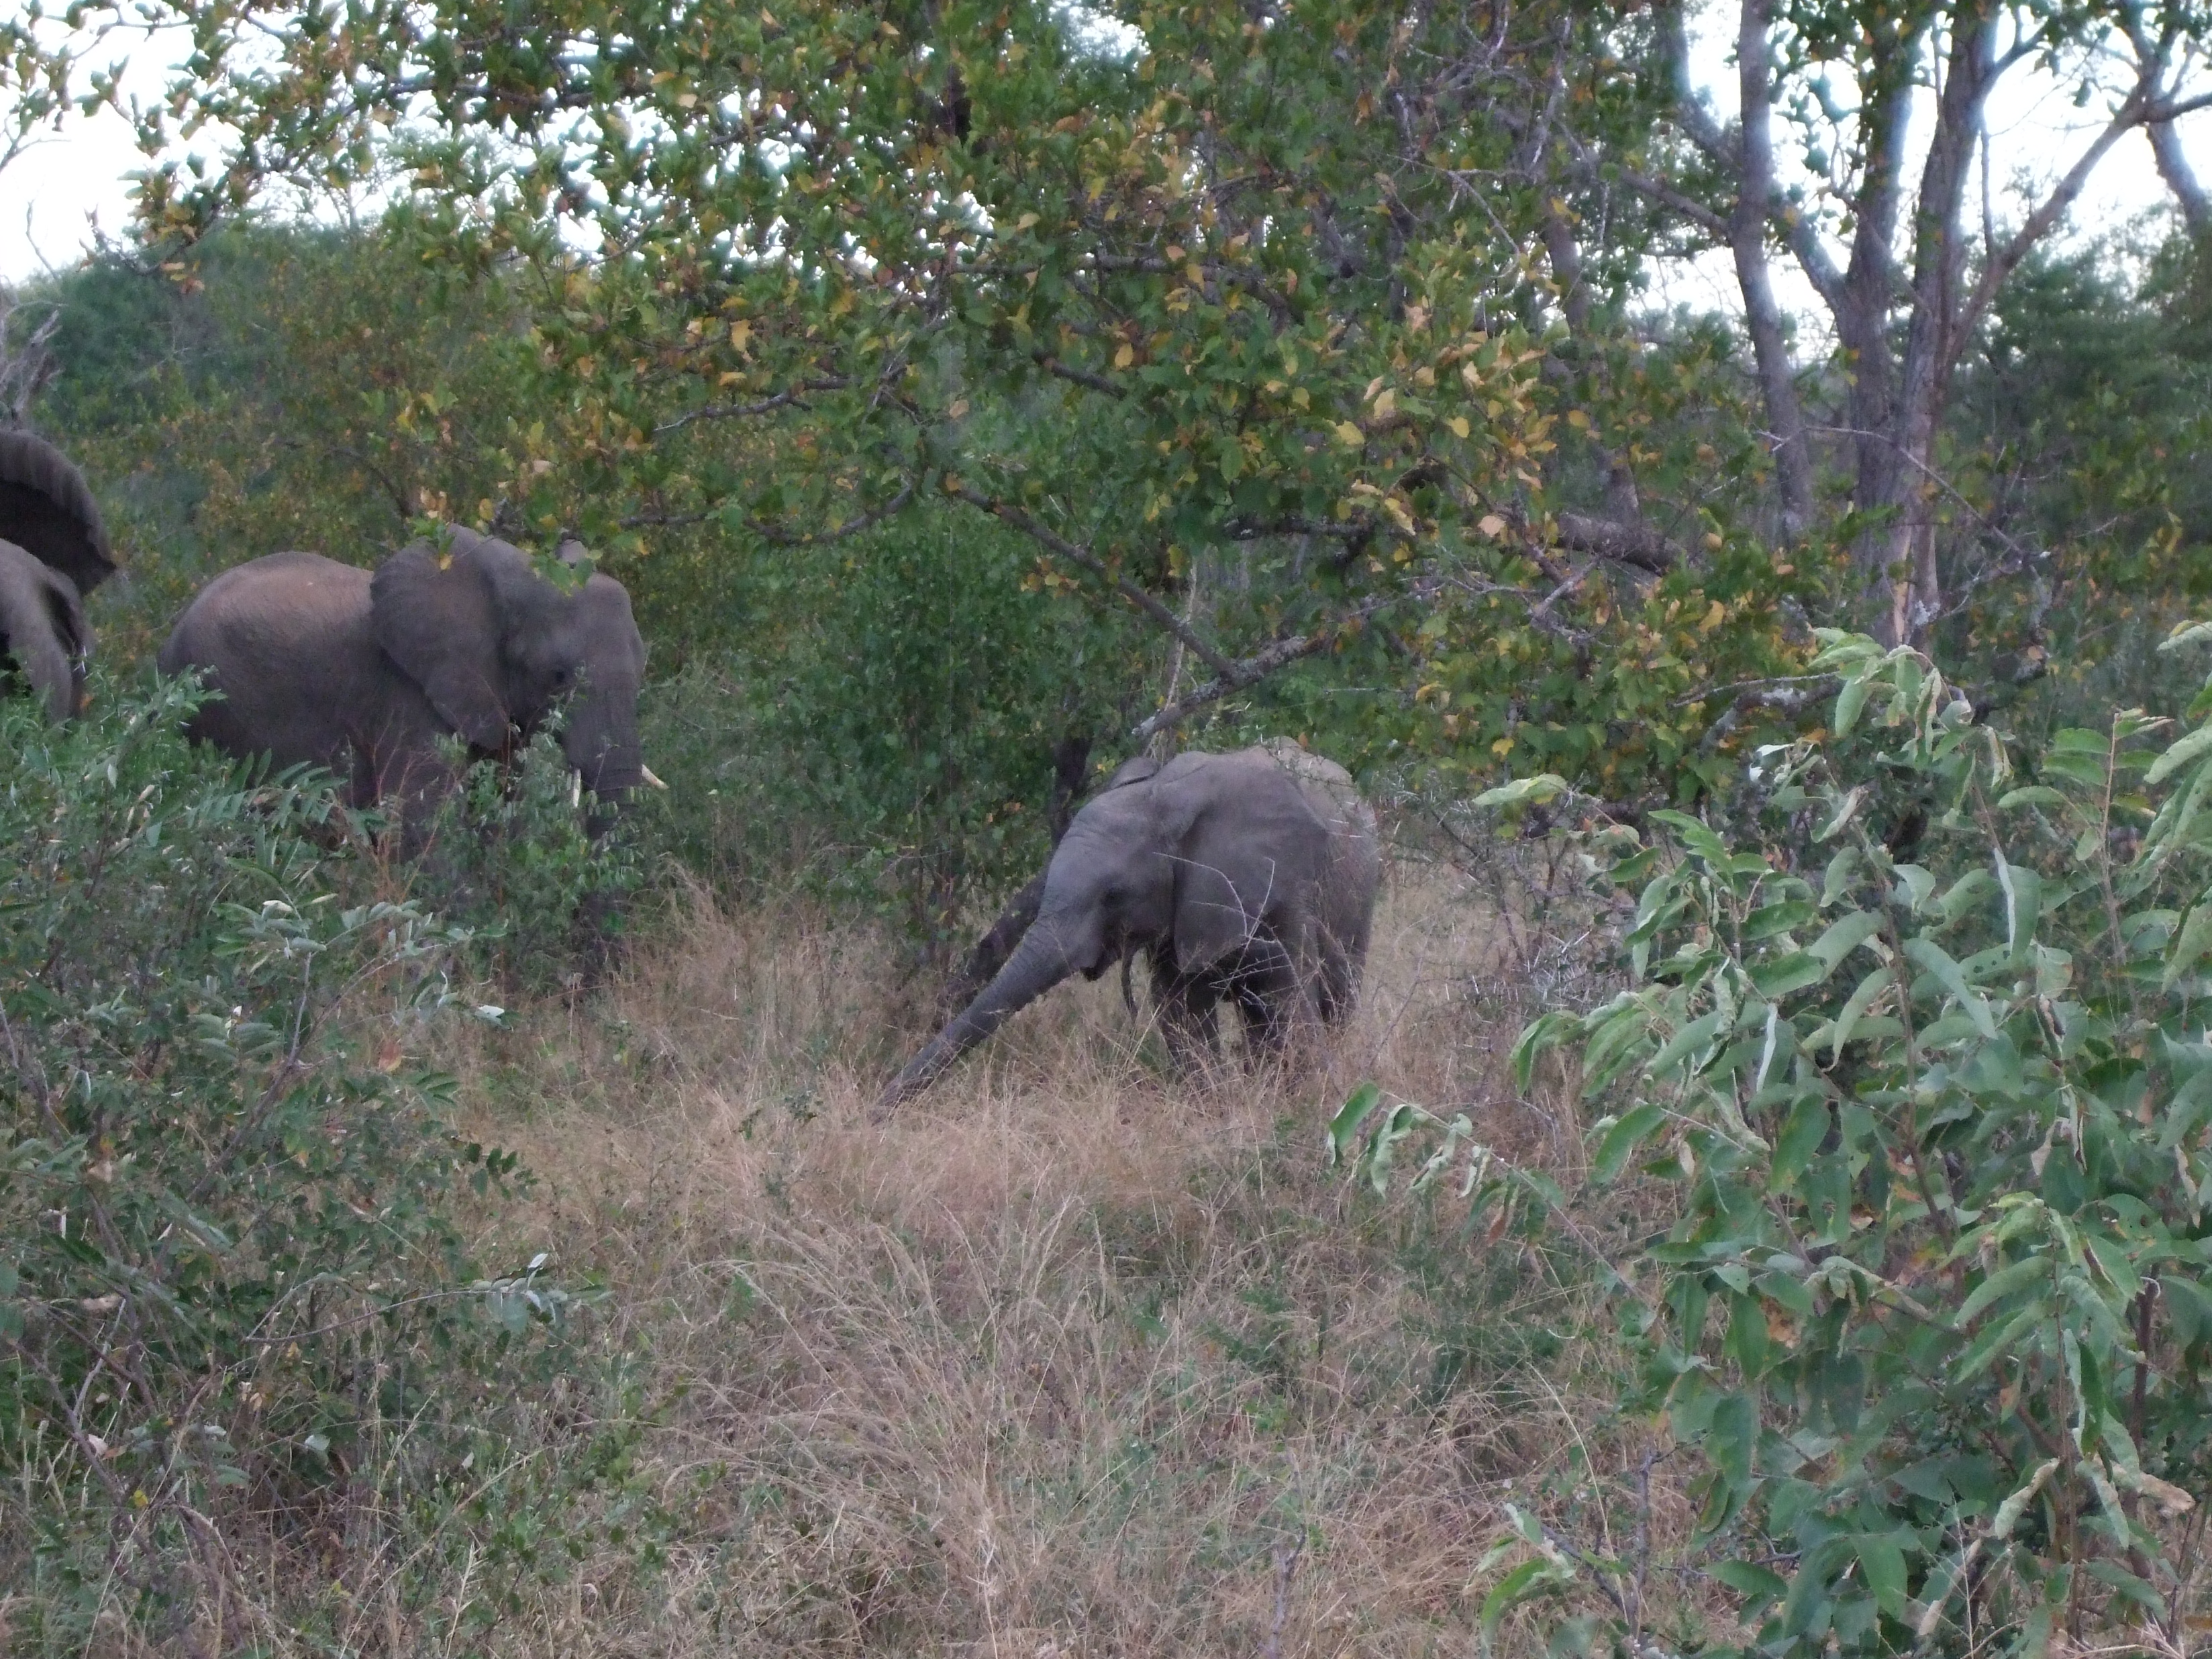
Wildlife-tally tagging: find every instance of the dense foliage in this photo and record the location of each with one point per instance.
(1935, 1304)
(237, 1311)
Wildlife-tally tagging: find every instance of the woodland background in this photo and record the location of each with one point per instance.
(968, 394)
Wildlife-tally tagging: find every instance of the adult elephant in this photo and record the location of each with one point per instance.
(322, 662)
(1250, 877)
(53, 550)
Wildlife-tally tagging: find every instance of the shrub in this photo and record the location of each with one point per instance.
(1929, 1134)
(235, 1302)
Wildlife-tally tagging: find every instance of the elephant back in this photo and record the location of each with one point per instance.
(48, 509)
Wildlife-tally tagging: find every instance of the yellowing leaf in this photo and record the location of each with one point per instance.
(1385, 404)
(1350, 436)
(1578, 418)
(1025, 222)
(1125, 356)
(741, 336)
(1458, 425)
(1491, 525)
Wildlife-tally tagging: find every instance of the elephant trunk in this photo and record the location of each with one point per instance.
(601, 742)
(1046, 955)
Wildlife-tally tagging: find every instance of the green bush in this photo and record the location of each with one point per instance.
(237, 1312)
(919, 711)
(1929, 1138)
(512, 856)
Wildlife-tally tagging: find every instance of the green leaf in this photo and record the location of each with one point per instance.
(1849, 702)
(1622, 1138)
(1344, 1128)
(1854, 1010)
(1794, 972)
(1770, 919)
(2002, 1284)
(2189, 946)
(1697, 1034)
(1938, 962)
(1844, 935)
(1544, 786)
(1882, 1563)
(1808, 1124)
(1759, 1587)
(2179, 755)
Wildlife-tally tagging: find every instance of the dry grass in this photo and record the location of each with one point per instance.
(1069, 1358)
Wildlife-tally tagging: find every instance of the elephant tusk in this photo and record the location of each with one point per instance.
(645, 772)
(575, 789)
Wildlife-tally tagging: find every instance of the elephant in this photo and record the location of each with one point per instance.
(1249, 876)
(323, 662)
(53, 550)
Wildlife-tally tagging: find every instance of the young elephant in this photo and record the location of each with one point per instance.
(1249, 876)
(321, 662)
(53, 550)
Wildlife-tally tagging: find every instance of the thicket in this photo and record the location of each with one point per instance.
(1924, 1119)
(241, 1327)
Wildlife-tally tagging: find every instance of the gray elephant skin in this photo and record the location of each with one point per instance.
(1247, 877)
(323, 662)
(53, 550)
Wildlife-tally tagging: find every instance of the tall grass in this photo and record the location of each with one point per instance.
(1071, 1357)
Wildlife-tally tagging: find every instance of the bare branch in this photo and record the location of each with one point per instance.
(2136, 110)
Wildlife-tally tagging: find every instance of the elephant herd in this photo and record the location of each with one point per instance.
(1247, 877)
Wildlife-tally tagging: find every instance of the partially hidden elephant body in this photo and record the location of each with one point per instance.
(323, 662)
(53, 550)
(1247, 877)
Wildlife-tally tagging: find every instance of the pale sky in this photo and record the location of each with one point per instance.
(57, 198)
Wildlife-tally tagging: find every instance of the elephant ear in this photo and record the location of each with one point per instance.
(437, 616)
(1248, 844)
(42, 625)
(47, 510)
(1134, 770)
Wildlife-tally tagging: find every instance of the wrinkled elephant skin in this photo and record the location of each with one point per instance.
(1250, 876)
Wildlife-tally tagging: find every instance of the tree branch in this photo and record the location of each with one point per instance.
(1082, 377)
(796, 395)
(1636, 545)
(1083, 558)
(768, 532)
(2135, 110)
(1234, 677)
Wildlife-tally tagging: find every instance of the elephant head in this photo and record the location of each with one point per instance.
(1213, 862)
(494, 646)
(42, 628)
(46, 509)
(53, 550)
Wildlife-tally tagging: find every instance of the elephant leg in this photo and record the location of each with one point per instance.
(1189, 1017)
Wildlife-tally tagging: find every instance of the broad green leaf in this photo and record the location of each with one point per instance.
(1344, 1128)
(2190, 945)
(1937, 961)
(1883, 1564)
(1844, 935)
(2003, 1283)
(1697, 1034)
(2179, 755)
(1622, 1138)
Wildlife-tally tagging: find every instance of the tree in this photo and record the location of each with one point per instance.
(1820, 176)
(1245, 329)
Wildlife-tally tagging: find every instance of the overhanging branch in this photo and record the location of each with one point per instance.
(1084, 559)
(1236, 676)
